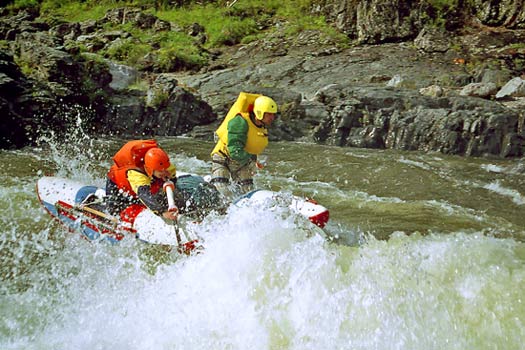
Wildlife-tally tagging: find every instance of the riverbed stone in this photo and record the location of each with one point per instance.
(514, 88)
(483, 90)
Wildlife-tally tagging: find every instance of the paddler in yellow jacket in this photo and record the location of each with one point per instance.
(242, 136)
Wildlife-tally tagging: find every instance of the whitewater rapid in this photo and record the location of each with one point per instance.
(268, 279)
(273, 283)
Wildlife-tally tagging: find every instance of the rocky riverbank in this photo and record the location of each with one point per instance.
(457, 92)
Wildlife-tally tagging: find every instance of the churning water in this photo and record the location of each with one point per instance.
(426, 253)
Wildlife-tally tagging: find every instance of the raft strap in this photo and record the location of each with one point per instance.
(223, 180)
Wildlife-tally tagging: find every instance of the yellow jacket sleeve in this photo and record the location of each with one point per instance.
(137, 179)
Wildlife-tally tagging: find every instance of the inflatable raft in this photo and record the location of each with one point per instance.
(81, 208)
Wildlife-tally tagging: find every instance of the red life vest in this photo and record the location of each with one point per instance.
(131, 157)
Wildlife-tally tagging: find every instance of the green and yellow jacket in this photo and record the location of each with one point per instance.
(240, 139)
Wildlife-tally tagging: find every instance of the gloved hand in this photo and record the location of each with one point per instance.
(171, 214)
(260, 162)
(168, 184)
(173, 211)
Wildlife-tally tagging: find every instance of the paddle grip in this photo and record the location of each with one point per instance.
(169, 188)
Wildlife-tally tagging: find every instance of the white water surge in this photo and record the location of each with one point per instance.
(263, 284)
(266, 279)
(516, 197)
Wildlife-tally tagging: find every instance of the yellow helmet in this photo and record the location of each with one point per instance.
(263, 104)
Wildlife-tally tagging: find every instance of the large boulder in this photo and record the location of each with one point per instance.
(377, 117)
(66, 84)
(378, 21)
(166, 109)
(506, 13)
(514, 88)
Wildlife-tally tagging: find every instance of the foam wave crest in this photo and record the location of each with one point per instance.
(268, 281)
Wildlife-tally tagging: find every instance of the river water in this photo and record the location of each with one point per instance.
(426, 252)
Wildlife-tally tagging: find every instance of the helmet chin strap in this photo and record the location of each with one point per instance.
(257, 122)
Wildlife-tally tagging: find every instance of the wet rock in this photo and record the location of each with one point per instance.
(13, 85)
(432, 91)
(513, 145)
(506, 13)
(122, 76)
(514, 88)
(433, 40)
(161, 89)
(40, 51)
(379, 21)
(483, 90)
(126, 114)
(497, 76)
(89, 26)
(179, 114)
(66, 31)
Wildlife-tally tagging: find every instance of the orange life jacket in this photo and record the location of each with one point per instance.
(131, 157)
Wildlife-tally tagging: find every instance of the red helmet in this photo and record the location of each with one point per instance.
(156, 159)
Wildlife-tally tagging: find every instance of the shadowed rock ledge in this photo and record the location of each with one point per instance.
(455, 90)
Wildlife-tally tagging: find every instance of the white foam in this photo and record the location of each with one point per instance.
(414, 163)
(266, 280)
(493, 168)
(496, 187)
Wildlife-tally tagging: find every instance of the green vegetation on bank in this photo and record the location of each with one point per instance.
(223, 24)
(444, 13)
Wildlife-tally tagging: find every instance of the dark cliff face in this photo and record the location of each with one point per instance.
(379, 21)
(14, 89)
(61, 85)
(406, 91)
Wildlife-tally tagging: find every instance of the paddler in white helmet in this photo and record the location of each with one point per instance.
(242, 136)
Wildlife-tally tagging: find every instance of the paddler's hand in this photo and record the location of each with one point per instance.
(173, 211)
(168, 184)
(260, 161)
(171, 214)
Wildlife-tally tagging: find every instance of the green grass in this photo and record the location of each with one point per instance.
(4, 45)
(78, 12)
(130, 51)
(176, 50)
(444, 4)
(443, 10)
(21, 4)
(517, 46)
(222, 27)
(161, 51)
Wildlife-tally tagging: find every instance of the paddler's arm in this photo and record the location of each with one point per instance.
(180, 201)
(237, 135)
(141, 185)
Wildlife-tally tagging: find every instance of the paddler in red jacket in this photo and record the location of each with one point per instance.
(140, 170)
